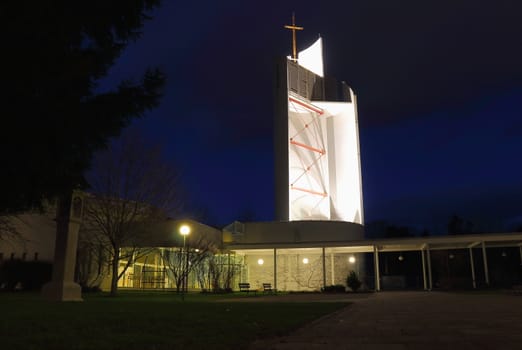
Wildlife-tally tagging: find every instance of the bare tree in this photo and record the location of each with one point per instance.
(7, 228)
(181, 262)
(308, 275)
(224, 268)
(12, 226)
(91, 262)
(132, 189)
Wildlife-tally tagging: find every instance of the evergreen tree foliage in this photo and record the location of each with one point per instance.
(54, 54)
(353, 281)
(458, 226)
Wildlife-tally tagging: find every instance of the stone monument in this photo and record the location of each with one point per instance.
(68, 219)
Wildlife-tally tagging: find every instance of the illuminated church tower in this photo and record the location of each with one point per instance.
(317, 160)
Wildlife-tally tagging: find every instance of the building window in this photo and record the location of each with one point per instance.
(36, 256)
(24, 256)
(1, 256)
(12, 256)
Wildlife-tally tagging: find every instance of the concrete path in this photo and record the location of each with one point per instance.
(413, 320)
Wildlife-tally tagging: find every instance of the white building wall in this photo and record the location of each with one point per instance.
(36, 238)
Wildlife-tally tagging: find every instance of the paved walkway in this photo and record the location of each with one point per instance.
(413, 320)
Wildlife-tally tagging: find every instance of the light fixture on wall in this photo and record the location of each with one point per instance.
(504, 254)
(260, 261)
(401, 257)
(351, 259)
(451, 256)
(305, 261)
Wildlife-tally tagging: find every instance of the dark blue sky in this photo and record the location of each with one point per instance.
(439, 85)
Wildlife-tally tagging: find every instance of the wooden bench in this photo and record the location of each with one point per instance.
(267, 287)
(245, 287)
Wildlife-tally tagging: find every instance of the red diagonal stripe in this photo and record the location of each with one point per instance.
(306, 105)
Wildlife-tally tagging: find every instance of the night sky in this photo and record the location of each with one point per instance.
(439, 85)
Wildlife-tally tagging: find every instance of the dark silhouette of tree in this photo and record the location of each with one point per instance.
(54, 55)
(459, 226)
(393, 231)
(133, 189)
(247, 214)
(455, 225)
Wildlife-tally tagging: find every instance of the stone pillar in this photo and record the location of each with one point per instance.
(68, 219)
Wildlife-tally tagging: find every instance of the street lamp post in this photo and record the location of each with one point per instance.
(184, 230)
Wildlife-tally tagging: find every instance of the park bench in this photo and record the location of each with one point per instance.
(267, 287)
(245, 287)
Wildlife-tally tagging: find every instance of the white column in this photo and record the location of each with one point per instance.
(297, 271)
(376, 268)
(473, 280)
(247, 272)
(332, 263)
(324, 268)
(288, 272)
(424, 280)
(430, 278)
(485, 258)
(229, 274)
(275, 269)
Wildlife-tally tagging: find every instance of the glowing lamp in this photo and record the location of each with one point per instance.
(184, 230)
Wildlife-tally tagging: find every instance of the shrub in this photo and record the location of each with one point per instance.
(353, 281)
(31, 275)
(335, 288)
(91, 289)
(222, 290)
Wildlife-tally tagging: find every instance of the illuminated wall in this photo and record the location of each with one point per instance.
(298, 269)
(323, 178)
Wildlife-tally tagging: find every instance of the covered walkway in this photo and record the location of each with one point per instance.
(326, 251)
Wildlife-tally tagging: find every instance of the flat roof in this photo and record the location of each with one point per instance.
(490, 240)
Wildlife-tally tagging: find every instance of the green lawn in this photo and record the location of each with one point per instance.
(147, 321)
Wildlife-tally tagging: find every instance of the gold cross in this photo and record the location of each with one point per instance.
(293, 27)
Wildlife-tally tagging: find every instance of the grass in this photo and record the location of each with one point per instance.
(147, 321)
